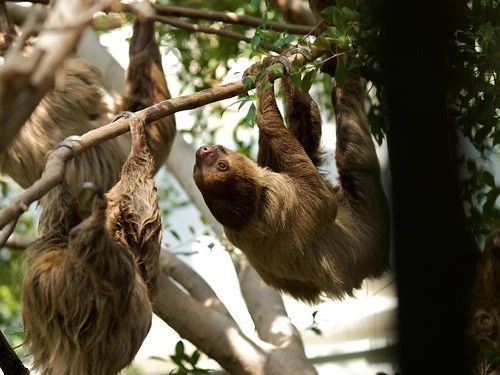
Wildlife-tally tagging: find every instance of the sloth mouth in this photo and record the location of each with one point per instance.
(206, 156)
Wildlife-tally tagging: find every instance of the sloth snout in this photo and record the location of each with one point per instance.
(206, 155)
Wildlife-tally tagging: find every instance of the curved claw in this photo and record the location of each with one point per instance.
(300, 50)
(122, 114)
(257, 70)
(68, 142)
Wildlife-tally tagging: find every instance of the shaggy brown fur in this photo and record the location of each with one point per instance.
(88, 284)
(302, 236)
(75, 106)
(86, 307)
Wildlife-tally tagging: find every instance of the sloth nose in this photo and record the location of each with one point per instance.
(206, 154)
(205, 150)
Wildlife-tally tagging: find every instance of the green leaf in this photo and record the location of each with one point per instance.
(296, 79)
(349, 14)
(338, 20)
(284, 41)
(489, 179)
(327, 14)
(496, 138)
(248, 82)
(175, 234)
(255, 42)
(481, 134)
(277, 69)
(157, 358)
(355, 64)
(317, 331)
(179, 349)
(194, 358)
(307, 80)
(341, 70)
(176, 359)
(267, 85)
(322, 43)
(250, 117)
(255, 4)
(491, 198)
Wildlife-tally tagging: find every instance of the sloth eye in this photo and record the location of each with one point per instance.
(221, 166)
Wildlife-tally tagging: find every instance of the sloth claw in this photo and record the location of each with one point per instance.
(122, 114)
(68, 142)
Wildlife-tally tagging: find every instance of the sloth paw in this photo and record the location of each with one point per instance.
(258, 71)
(122, 114)
(68, 142)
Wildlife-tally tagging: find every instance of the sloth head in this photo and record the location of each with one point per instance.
(230, 184)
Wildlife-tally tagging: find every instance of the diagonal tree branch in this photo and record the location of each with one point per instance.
(10, 364)
(230, 17)
(211, 30)
(19, 241)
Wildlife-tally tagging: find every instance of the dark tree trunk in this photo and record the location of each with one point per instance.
(434, 249)
(9, 362)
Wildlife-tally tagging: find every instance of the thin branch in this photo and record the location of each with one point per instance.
(9, 361)
(7, 231)
(52, 175)
(54, 169)
(20, 241)
(230, 17)
(44, 2)
(197, 287)
(210, 30)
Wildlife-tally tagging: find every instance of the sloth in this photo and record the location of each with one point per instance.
(302, 235)
(92, 274)
(86, 307)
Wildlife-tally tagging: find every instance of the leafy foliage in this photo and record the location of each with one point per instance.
(352, 26)
(187, 364)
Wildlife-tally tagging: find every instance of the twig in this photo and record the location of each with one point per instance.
(9, 361)
(44, 2)
(230, 17)
(20, 241)
(7, 231)
(54, 169)
(210, 30)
